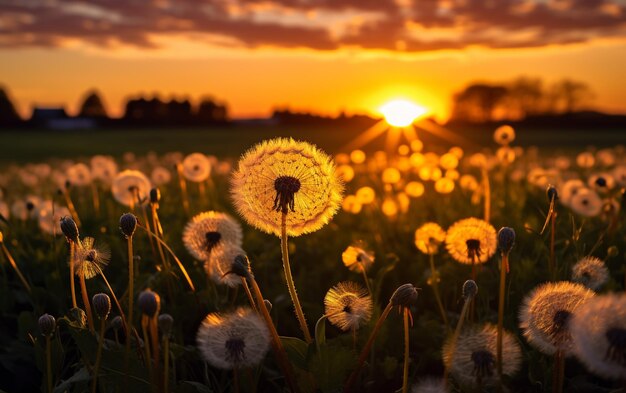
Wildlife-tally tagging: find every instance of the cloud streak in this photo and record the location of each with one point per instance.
(403, 25)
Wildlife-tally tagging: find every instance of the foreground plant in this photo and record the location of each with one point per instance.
(470, 290)
(102, 307)
(506, 239)
(47, 326)
(128, 223)
(9, 257)
(545, 319)
(287, 188)
(70, 230)
(404, 297)
(428, 238)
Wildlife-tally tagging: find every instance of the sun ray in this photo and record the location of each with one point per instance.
(367, 136)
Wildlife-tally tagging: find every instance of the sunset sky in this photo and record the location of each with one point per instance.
(316, 55)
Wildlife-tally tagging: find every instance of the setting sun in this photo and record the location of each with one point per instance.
(402, 113)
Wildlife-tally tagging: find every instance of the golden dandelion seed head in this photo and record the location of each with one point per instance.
(429, 237)
(348, 306)
(546, 314)
(356, 258)
(286, 176)
(471, 240)
(90, 259)
(130, 187)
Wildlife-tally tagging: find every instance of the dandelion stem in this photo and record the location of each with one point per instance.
(94, 383)
(279, 349)
(405, 370)
(15, 267)
(183, 188)
(503, 268)
(367, 281)
(131, 296)
(435, 284)
(72, 285)
(166, 363)
(146, 344)
(249, 294)
(48, 363)
(180, 264)
(154, 338)
(367, 348)
(487, 190)
(552, 240)
(85, 295)
(455, 337)
(290, 284)
(559, 371)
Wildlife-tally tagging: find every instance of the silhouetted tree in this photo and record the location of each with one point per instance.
(93, 106)
(179, 112)
(570, 95)
(526, 96)
(8, 114)
(211, 112)
(478, 102)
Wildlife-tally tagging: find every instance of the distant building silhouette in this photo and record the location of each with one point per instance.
(154, 112)
(55, 118)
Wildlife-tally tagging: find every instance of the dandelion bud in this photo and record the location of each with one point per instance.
(69, 229)
(268, 305)
(47, 324)
(506, 239)
(612, 252)
(241, 266)
(404, 296)
(128, 223)
(102, 305)
(116, 323)
(149, 302)
(155, 195)
(78, 316)
(166, 321)
(470, 289)
(552, 193)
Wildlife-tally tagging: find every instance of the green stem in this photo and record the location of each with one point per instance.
(48, 364)
(503, 267)
(72, 284)
(166, 363)
(85, 295)
(15, 267)
(94, 384)
(131, 296)
(367, 348)
(367, 281)
(435, 278)
(405, 370)
(290, 284)
(455, 337)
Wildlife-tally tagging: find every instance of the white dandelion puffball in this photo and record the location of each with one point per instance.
(236, 340)
(160, 176)
(209, 231)
(599, 335)
(130, 187)
(103, 168)
(79, 175)
(219, 265)
(591, 272)
(586, 203)
(196, 167)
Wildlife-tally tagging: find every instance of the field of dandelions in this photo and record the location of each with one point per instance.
(287, 269)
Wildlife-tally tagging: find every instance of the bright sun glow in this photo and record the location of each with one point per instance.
(402, 113)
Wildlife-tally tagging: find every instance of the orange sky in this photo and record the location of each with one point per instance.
(352, 75)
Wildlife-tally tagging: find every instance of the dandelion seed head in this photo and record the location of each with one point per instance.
(546, 314)
(591, 272)
(103, 168)
(504, 135)
(130, 187)
(586, 203)
(79, 175)
(220, 265)
(429, 237)
(90, 259)
(430, 385)
(235, 340)
(348, 306)
(210, 231)
(160, 176)
(471, 240)
(472, 359)
(284, 175)
(599, 334)
(357, 259)
(196, 167)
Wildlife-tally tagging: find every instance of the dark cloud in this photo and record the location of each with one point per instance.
(417, 25)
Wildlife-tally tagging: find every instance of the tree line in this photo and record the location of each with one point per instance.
(519, 99)
(139, 111)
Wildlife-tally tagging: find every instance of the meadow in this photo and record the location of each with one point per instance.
(425, 310)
